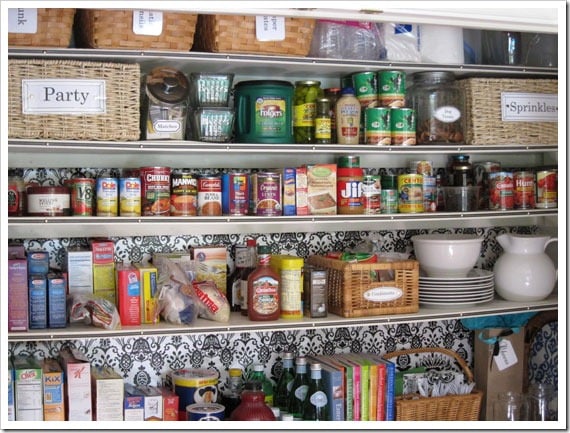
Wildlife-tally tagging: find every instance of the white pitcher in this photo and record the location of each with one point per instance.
(524, 272)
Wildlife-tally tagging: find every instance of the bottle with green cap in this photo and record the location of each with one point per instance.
(263, 288)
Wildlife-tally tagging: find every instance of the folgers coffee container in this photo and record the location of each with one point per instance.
(82, 196)
(107, 196)
(264, 111)
(166, 104)
(349, 186)
(235, 193)
(155, 191)
(501, 190)
(48, 201)
(209, 195)
(183, 194)
(266, 194)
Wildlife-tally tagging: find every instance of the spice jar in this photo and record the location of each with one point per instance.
(304, 110)
(439, 105)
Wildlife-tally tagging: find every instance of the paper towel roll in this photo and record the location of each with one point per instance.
(441, 44)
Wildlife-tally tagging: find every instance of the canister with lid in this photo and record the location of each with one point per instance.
(167, 104)
(439, 105)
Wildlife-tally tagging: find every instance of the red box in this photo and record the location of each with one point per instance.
(17, 295)
(170, 402)
(129, 294)
(103, 251)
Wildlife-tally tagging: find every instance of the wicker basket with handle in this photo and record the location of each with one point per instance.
(483, 112)
(113, 28)
(54, 29)
(448, 408)
(237, 34)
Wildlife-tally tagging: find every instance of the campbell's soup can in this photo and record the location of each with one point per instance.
(183, 194)
(107, 196)
(371, 192)
(410, 193)
(501, 190)
(209, 195)
(130, 196)
(546, 189)
(235, 193)
(155, 191)
(524, 189)
(82, 196)
(266, 193)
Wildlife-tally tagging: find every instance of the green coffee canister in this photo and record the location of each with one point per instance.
(264, 111)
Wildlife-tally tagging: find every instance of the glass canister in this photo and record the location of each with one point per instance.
(439, 105)
(167, 104)
(304, 110)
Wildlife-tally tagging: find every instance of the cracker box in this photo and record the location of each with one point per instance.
(104, 282)
(321, 189)
(301, 191)
(133, 407)
(38, 262)
(28, 389)
(149, 292)
(18, 295)
(77, 370)
(170, 403)
(79, 267)
(128, 294)
(37, 287)
(107, 389)
(152, 403)
(103, 251)
(54, 402)
(211, 264)
(56, 300)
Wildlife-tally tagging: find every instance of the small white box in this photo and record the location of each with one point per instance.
(79, 268)
(78, 384)
(107, 388)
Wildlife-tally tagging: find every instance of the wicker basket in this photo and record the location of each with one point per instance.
(113, 28)
(236, 34)
(449, 408)
(354, 290)
(483, 112)
(120, 121)
(54, 29)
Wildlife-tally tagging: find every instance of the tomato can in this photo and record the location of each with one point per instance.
(183, 194)
(410, 193)
(82, 195)
(209, 195)
(107, 196)
(547, 189)
(130, 196)
(501, 190)
(524, 189)
(155, 191)
(266, 193)
(235, 193)
(371, 192)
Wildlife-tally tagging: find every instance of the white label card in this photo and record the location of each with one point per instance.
(507, 356)
(64, 96)
(22, 20)
(529, 107)
(269, 28)
(147, 22)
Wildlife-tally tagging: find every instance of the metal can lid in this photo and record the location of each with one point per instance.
(168, 85)
(349, 161)
(307, 83)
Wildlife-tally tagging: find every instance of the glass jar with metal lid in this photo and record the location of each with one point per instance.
(439, 104)
(304, 110)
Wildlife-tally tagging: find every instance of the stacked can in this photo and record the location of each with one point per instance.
(388, 193)
(366, 88)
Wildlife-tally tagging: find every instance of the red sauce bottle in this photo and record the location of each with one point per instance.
(263, 288)
(252, 406)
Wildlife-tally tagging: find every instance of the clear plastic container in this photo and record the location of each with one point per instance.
(210, 90)
(211, 124)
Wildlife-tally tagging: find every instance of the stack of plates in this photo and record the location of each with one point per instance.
(476, 288)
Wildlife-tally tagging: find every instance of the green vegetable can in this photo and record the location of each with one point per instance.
(264, 111)
(305, 108)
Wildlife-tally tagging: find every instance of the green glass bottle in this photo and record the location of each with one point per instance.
(259, 375)
(299, 389)
(285, 382)
(315, 407)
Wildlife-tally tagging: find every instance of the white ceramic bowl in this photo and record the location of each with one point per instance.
(447, 255)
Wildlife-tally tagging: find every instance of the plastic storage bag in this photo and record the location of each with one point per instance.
(346, 40)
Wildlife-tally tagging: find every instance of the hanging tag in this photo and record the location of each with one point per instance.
(147, 22)
(507, 356)
(22, 20)
(269, 28)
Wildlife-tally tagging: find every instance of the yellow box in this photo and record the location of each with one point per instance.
(54, 402)
(104, 281)
(149, 293)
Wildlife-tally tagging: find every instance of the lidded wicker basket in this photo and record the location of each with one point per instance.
(54, 29)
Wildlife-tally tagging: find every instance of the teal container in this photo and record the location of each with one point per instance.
(264, 112)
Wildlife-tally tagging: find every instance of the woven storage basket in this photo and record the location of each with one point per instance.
(353, 290)
(483, 112)
(106, 28)
(54, 29)
(449, 408)
(236, 34)
(122, 89)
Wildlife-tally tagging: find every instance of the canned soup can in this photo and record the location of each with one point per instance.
(183, 194)
(209, 195)
(155, 191)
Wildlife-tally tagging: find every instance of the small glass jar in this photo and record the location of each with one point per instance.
(304, 110)
(439, 104)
